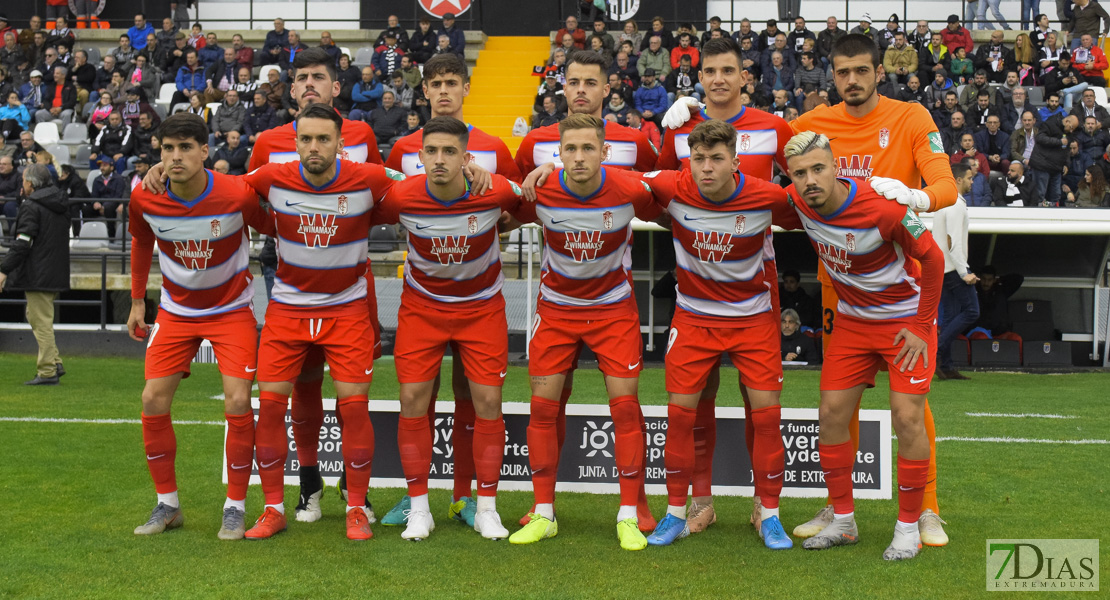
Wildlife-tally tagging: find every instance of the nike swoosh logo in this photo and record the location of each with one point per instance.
(554, 222)
(410, 480)
(149, 457)
(419, 166)
(774, 476)
(674, 471)
(296, 422)
(780, 378)
(632, 474)
(422, 227)
(903, 488)
(808, 228)
(826, 473)
(241, 466)
(630, 367)
(470, 428)
(555, 155)
(687, 218)
(360, 466)
(488, 485)
(503, 374)
(250, 370)
(916, 381)
(287, 203)
(267, 466)
(370, 370)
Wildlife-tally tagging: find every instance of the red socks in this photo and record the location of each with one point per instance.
(912, 475)
(705, 442)
(414, 440)
(161, 450)
(462, 439)
(837, 461)
(308, 417)
(629, 449)
(358, 446)
(561, 422)
(678, 455)
(489, 452)
(239, 448)
(769, 455)
(543, 448)
(271, 446)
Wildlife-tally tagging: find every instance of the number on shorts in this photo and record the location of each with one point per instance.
(671, 337)
(153, 332)
(829, 315)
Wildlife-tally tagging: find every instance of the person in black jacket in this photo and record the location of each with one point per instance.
(11, 184)
(1050, 154)
(73, 186)
(234, 153)
(397, 31)
(423, 43)
(38, 264)
(260, 117)
(114, 141)
(108, 189)
(795, 345)
(994, 299)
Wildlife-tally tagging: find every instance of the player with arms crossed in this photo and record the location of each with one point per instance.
(452, 295)
(446, 85)
(887, 310)
(586, 298)
(719, 218)
(322, 214)
(199, 228)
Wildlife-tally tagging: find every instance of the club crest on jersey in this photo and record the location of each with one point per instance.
(215, 228)
(608, 154)
(836, 259)
(342, 205)
(317, 229)
(856, 166)
(607, 219)
(745, 142)
(884, 137)
(850, 241)
(451, 249)
(713, 246)
(194, 254)
(343, 155)
(741, 221)
(472, 224)
(583, 245)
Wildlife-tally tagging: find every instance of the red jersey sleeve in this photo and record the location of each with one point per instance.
(142, 245)
(260, 153)
(394, 161)
(789, 218)
(525, 212)
(646, 154)
(902, 226)
(640, 195)
(784, 135)
(668, 158)
(524, 155)
(506, 165)
(378, 178)
(387, 210)
(373, 155)
(260, 179)
(663, 184)
(506, 193)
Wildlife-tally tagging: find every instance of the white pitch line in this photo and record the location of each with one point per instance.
(1010, 440)
(1020, 415)
(97, 421)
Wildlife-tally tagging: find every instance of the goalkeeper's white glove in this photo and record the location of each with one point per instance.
(892, 189)
(680, 112)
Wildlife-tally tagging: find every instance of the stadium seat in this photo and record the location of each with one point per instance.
(214, 107)
(90, 178)
(960, 90)
(160, 111)
(46, 133)
(263, 76)
(1100, 96)
(1047, 354)
(165, 93)
(94, 55)
(363, 57)
(59, 152)
(383, 239)
(1029, 311)
(1036, 96)
(180, 106)
(995, 353)
(81, 154)
(345, 50)
(93, 236)
(74, 134)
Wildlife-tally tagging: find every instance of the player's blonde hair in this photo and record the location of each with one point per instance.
(804, 142)
(583, 121)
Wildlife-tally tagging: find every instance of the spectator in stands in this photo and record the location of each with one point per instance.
(978, 113)
(746, 31)
(455, 35)
(139, 31)
(365, 95)
(14, 118)
(980, 194)
(410, 72)
(221, 166)
(809, 78)
(402, 93)
(920, 36)
(196, 38)
(967, 149)
(62, 35)
(1052, 108)
(11, 184)
(11, 53)
(636, 120)
(277, 91)
(115, 90)
(98, 117)
(393, 25)
(260, 117)
(141, 167)
(651, 97)
(994, 144)
(960, 68)
(1016, 189)
(793, 297)
(114, 142)
(969, 96)
(1041, 29)
(914, 92)
(38, 264)
(1010, 112)
(175, 57)
(796, 345)
(828, 36)
(46, 67)
(1007, 88)
(235, 154)
(549, 115)
(932, 58)
(423, 42)
(779, 107)
(211, 53)
(955, 36)
(1092, 192)
(994, 58)
(141, 76)
(625, 70)
(1050, 155)
(954, 131)
(900, 59)
(1025, 62)
(616, 110)
(685, 48)
(1090, 61)
(108, 189)
(277, 41)
(245, 85)
(994, 298)
(387, 120)
(387, 58)
(658, 30)
(597, 45)
(143, 130)
(73, 186)
(37, 49)
(576, 34)
(601, 31)
(1093, 139)
(865, 28)
(33, 94)
(444, 46)
(412, 123)
(1085, 21)
(190, 79)
(779, 45)
(655, 58)
(28, 149)
(1088, 108)
(244, 54)
(631, 33)
(229, 117)
(347, 75)
(766, 38)
(1049, 55)
(886, 36)
(1074, 169)
(550, 86)
(61, 100)
(681, 82)
(959, 307)
(1023, 139)
(777, 75)
(27, 36)
(289, 54)
(219, 77)
(714, 26)
(167, 34)
(798, 35)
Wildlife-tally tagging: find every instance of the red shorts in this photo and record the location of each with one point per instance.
(341, 339)
(315, 356)
(480, 339)
(693, 352)
(858, 348)
(556, 343)
(173, 342)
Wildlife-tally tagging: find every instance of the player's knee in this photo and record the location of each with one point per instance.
(626, 415)
(156, 402)
(237, 403)
(908, 422)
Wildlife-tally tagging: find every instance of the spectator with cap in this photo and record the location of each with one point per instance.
(576, 33)
(277, 41)
(393, 25)
(33, 94)
(886, 36)
(387, 58)
(140, 166)
(651, 97)
(6, 27)
(550, 86)
(423, 42)
(454, 34)
(176, 56)
(865, 28)
(260, 117)
(955, 36)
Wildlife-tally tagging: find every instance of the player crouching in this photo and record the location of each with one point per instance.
(886, 313)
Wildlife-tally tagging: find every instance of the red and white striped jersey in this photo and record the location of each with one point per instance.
(454, 257)
(488, 151)
(587, 253)
(321, 232)
(719, 247)
(279, 145)
(629, 149)
(760, 138)
(203, 246)
(868, 247)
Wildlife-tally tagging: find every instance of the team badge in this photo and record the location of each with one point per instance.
(472, 224)
(1047, 348)
(884, 137)
(740, 221)
(608, 154)
(1029, 307)
(850, 242)
(745, 143)
(343, 155)
(343, 205)
(215, 228)
(994, 346)
(607, 219)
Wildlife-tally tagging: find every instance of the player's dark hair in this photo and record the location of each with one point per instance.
(446, 64)
(183, 125)
(960, 169)
(582, 121)
(855, 44)
(448, 125)
(724, 45)
(588, 57)
(317, 110)
(313, 57)
(712, 132)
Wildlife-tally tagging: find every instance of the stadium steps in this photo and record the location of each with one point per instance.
(502, 86)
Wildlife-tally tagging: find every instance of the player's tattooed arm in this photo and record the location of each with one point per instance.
(536, 178)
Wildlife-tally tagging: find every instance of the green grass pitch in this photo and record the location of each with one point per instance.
(72, 493)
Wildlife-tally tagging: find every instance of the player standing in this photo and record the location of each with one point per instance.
(452, 295)
(586, 298)
(322, 212)
(868, 245)
(719, 218)
(199, 227)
